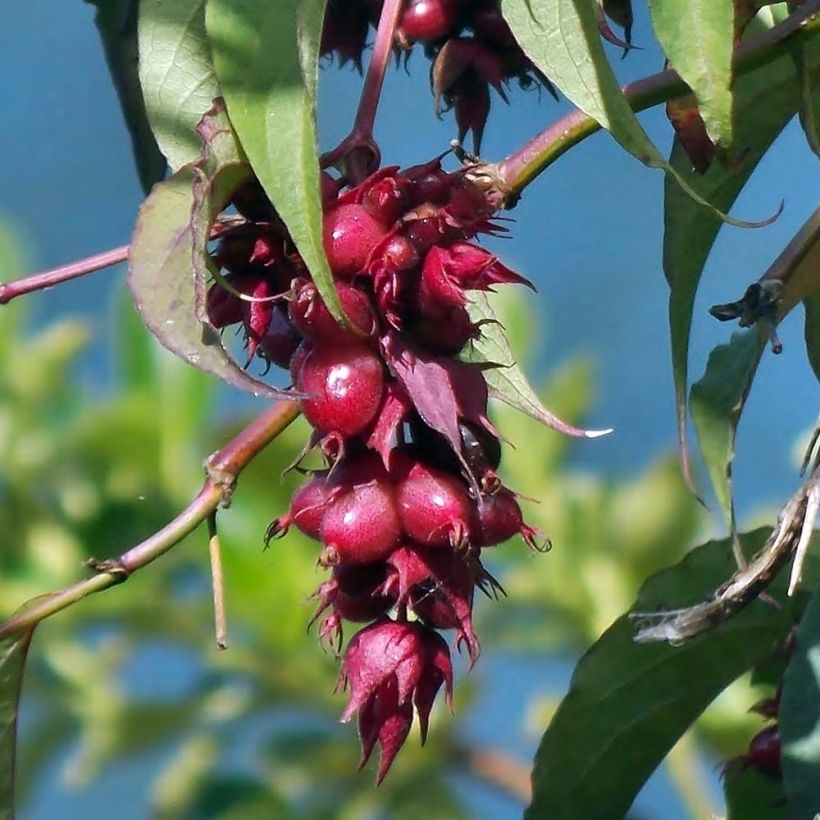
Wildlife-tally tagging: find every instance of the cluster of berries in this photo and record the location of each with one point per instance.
(468, 41)
(410, 494)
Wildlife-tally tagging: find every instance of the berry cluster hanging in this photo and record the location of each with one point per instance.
(410, 494)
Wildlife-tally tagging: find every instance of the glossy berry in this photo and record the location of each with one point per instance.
(427, 20)
(308, 505)
(361, 526)
(343, 385)
(433, 506)
(350, 235)
(497, 519)
(310, 315)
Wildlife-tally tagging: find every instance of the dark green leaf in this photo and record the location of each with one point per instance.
(751, 795)
(629, 703)
(765, 100)
(698, 37)
(508, 382)
(717, 402)
(812, 332)
(176, 74)
(162, 283)
(266, 57)
(13, 653)
(800, 717)
(117, 24)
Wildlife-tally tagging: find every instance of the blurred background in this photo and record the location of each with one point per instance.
(128, 708)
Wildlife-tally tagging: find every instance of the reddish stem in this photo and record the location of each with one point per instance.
(358, 149)
(55, 276)
(521, 167)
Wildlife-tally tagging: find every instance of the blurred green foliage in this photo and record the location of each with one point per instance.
(84, 477)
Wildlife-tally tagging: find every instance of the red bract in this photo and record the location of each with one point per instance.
(389, 668)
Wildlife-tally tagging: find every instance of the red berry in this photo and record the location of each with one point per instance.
(433, 507)
(399, 255)
(350, 234)
(355, 591)
(427, 19)
(361, 526)
(310, 314)
(497, 519)
(445, 333)
(489, 25)
(280, 340)
(308, 505)
(764, 752)
(344, 386)
(423, 233)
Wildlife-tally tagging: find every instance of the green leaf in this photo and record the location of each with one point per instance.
(13, 653)
(717, 401)
(116, 21)
(160, 279)
(266, 57)
(698, 38)
(176, 74)
(629, 703)
(507, 380)
(765, 100)
(812, 332)
(751, 795)
(562, 38)
(800, 717)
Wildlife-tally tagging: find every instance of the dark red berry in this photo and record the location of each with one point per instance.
(308, 505)
(497, 519)
(423, 233)
(427, 20)
(445, 333)
(433, 506)
(361, 526)
(354, 591)
(310, 315)
(764, 752)
(490, 26)
(280, 340)
(399, 254)
(344, 386)
(350, 234)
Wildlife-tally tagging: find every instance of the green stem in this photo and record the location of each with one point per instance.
(223, 468)
(519, 169)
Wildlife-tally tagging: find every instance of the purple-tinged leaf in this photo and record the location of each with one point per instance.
(13, 652)
(161, 280)
(218, 173)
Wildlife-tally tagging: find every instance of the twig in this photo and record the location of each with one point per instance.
(788, 539)
(498, 769)
(520, 168)
(218, 584)
(56, 276)
(359, 147)
(222, 468)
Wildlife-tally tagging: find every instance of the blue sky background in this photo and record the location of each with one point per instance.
(588, 233)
